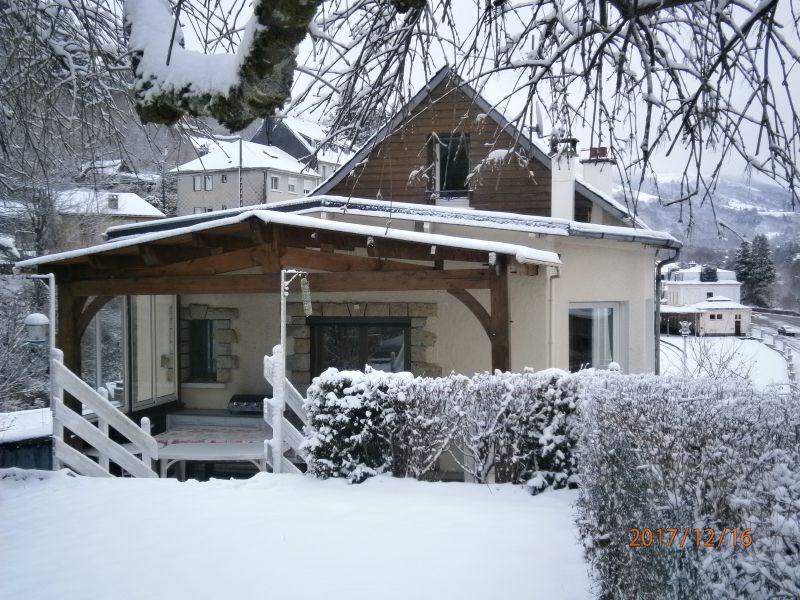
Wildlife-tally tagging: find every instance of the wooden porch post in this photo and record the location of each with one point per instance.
(501, 351)
(67, 336)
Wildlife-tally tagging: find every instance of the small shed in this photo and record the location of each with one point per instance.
(720, 315)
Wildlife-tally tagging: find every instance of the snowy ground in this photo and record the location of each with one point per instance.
(283, 536)
(726, 357)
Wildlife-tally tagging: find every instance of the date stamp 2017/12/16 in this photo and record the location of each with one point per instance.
(707, 537)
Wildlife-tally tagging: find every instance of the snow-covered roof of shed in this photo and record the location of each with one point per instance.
(522, 254)
(225, 157)
(423, 212)
(532, 146)
(719, 302)
(678, 310)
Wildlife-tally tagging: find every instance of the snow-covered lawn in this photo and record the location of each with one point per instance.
(725, 357)
(283, 536)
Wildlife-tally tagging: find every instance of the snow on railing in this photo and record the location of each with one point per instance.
(284, 433)
(108, 415)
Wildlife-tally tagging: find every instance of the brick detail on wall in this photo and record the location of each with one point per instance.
(225, 338)
(298, 334)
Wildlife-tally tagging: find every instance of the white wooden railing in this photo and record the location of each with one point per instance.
(283, 431)
(108, 415)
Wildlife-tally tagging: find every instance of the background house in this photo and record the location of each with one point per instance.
(304, 140)
(696, 283)
(240, 173)
(81, 217)
(707, 297)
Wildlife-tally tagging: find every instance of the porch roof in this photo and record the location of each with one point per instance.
(185, 233)
(486, 220)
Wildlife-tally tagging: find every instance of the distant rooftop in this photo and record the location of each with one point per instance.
(224, 156)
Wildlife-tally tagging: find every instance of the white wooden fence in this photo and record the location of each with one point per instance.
(283, 432)
(137, 462)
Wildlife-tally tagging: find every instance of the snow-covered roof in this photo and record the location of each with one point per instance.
(693, 273)
(719, 302)
(678, 310)
(311, 135)
(342, 206)
(25, 425)
(88, 201)
(522, 254)
(225, 157)
(532, 146)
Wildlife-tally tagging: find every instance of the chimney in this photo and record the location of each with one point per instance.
(562, 193)
(598, 169)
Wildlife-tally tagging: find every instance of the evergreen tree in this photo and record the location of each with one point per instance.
(762, 271)
(743, 265)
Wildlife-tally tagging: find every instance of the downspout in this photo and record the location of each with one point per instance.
(657, 302)
(550, 279)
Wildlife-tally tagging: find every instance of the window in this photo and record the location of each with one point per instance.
(25, 241)
(275, 183)
(351, 343)
(208, 183)
(713, 317)
(197, 183)
(306, 186)
(292, 185)
(202, 358)
(593, 335)
(324, 171)
(709, 294)
(198, 210)
(451, 159)
(223, 178)
(719, 316)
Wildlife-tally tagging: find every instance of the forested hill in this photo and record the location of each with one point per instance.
(747, 208)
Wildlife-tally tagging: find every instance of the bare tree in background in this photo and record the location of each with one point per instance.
(683, 77)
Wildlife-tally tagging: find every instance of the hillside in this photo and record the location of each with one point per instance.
(748, 208)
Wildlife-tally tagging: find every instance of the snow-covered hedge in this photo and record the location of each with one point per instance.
(506, 427)
(664, 453)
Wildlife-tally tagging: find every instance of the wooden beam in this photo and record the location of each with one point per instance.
(92, 308)
(114, 262)
(394, 281)
(500, 318)
(476, 308)
(224, 242)
(165, 255)
(68, 338)
(235, 260)
(312, 259)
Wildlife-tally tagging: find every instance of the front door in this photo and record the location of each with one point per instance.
(737, 327)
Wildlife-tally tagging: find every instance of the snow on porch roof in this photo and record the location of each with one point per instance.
(421, 212)
(521, 254)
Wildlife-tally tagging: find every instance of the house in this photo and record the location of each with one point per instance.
(697, 283)
(240, 173)
(304, 140)
(719, 315)
(708, 298)
(409, 268)
(83, 214)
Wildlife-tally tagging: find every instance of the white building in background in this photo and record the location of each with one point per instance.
(708, 298)
(684, 287)
(240, 173)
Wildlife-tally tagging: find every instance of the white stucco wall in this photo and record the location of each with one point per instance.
(727, 324)
(461, 346)
(689, 292)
